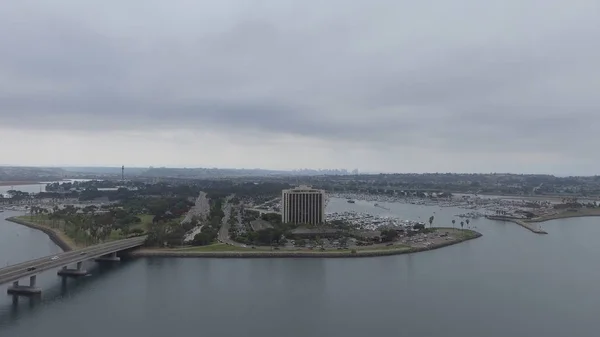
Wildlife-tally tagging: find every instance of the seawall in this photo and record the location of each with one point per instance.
(519, 222)
(54, 235)
(295, 254)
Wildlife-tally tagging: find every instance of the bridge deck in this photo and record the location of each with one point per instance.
(36, 266)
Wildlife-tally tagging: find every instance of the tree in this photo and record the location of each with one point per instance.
(388, 235)
(344, 241)
(156, 234)
(462, 224)
(453, 222)
(467, 221)
(431, 221)
(201, 239)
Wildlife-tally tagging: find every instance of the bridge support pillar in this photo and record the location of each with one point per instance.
(112, 257)
(29, 290)
(73, 272)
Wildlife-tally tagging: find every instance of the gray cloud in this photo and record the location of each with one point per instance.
(470, 77)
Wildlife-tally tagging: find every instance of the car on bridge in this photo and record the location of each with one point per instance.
(54, 258)
(30, 268)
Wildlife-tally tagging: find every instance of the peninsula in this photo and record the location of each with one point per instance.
(222, 221)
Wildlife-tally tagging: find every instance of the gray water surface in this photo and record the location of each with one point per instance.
(510, 282)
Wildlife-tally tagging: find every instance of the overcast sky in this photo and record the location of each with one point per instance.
(393, 86)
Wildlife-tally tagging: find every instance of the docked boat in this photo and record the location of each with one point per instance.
(378, 205)
(350, 201)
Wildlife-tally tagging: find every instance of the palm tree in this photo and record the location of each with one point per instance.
(431, 221)
(467, 222)
(462, 224)
(453, 222)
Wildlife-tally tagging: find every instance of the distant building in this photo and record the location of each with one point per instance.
(303, 205)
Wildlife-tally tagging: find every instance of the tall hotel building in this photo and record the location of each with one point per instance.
(303, 205)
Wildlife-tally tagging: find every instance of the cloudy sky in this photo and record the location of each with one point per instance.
(394, 86)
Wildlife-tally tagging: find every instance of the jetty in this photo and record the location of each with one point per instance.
(532, 227)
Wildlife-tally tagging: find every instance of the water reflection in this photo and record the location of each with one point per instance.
(509, 282)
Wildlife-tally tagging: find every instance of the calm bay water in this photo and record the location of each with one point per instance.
(510, 282)
(33, 188)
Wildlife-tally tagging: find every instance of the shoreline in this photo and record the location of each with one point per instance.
(299, 254)
(19, 183)
(55, 236)
(529, 223)
(566, 215)
(66, 245)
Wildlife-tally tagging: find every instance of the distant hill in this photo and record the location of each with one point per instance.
(105, 170)
(228, 172)
(16, 173)
(20, 173)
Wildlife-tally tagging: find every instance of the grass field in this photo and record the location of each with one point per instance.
(75, 235)
(146, 220)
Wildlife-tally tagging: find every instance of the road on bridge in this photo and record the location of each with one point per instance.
(36, 266)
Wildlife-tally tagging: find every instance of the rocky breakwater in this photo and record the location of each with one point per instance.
(521, 222)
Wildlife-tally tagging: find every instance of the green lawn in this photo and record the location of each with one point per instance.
(146, 220)
(78, 236)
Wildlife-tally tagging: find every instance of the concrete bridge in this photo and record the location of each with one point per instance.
(102, 252)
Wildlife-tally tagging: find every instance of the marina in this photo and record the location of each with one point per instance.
(478, 206)
(366, 221)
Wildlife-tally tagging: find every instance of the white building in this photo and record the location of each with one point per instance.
(303, 205)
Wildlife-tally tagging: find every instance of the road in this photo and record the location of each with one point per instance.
(18, 271)
(262, 211)
(224, 230)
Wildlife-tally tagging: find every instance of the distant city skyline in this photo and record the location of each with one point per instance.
(136, 169)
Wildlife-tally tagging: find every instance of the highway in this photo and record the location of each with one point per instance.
(36, 266)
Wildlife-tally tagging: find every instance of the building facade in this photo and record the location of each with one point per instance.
(303, 205)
